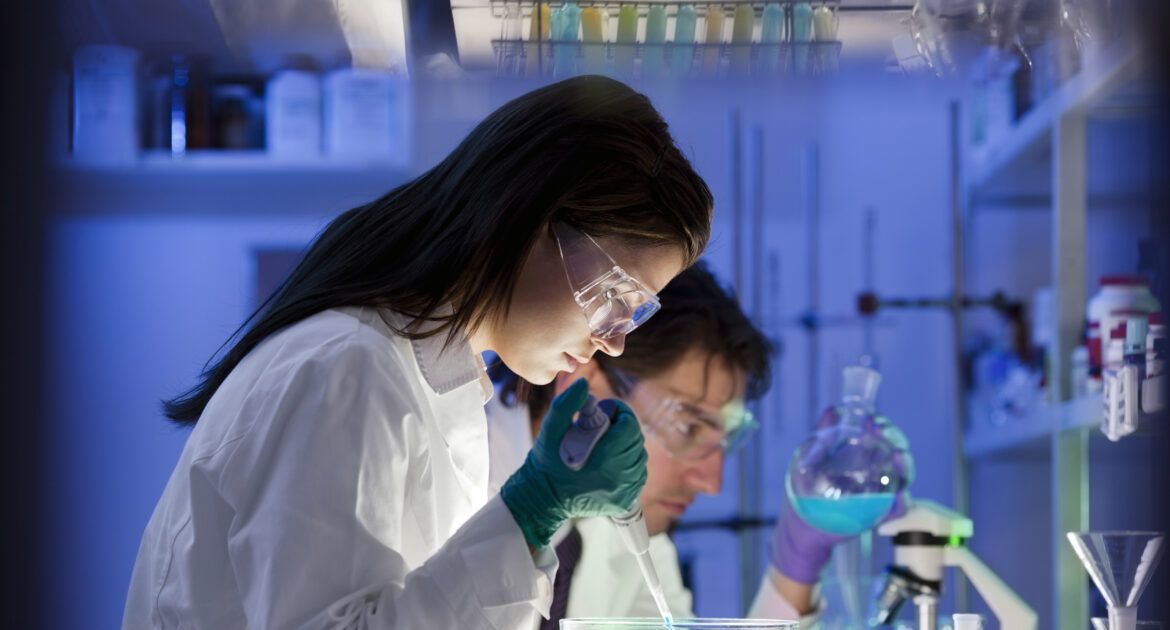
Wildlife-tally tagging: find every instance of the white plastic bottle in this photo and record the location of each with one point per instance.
(293, 121)
(105, 104)
(367, 116)
(1119, 297)
(1155, 346)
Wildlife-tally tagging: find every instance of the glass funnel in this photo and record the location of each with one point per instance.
(844, 478)
(1120, 564)
(598, 623)
(1101, 623)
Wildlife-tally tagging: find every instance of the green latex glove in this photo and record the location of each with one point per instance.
(545, 493)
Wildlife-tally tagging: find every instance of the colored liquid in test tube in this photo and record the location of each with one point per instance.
(653, 51)
(741, 38)
(714, 40)
(538, 31)
(566, 22)
(802, 34)
(683, 54)
(593, 35)
(771, 36)
(627, 40)
(825, 32)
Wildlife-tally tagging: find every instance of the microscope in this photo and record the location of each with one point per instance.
(926, 539)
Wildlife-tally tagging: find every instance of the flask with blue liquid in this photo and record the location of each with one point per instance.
(843, 479)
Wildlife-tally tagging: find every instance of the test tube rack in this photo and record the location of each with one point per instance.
(519, 55)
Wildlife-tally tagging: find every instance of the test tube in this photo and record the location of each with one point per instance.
(627, 40)
(654, 48)
(508, 62)
(684, 41)
(593, 36)
(714, 40)
(538, 31)
(566, 22)
(771, 36)
(825, 31)
(741, 38)
(802, 34)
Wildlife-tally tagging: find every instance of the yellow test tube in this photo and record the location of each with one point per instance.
(593, 36)
(741, 38)
(538, 31)
(627, 40)
(714, 39)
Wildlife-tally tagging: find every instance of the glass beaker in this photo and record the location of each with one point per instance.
(600, 623)
(844, 478)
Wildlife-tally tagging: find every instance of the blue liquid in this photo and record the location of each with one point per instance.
(847, 516)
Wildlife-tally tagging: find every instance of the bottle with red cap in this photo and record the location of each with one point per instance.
(1119, 297)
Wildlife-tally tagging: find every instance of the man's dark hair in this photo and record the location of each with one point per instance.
(697, 314)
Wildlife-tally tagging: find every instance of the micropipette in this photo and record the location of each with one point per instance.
(592, 422)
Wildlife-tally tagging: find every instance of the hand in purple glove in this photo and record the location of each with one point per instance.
(801, 551)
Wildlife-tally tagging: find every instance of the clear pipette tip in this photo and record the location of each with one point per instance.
(651, 577)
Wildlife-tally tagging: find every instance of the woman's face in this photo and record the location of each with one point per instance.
(545, 331)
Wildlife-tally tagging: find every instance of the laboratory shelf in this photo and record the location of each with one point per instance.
(1109, 91)
(1033, 429)
(221, 183)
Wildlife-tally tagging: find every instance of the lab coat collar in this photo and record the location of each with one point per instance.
(447, 367)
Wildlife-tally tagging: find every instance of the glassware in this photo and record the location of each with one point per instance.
(679, 624)
(844, 478)
(1120, 564)
(1102, 623)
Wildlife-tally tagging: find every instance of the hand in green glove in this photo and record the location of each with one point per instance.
(545, 493)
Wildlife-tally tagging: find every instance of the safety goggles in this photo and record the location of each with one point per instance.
(686, 430)
(613, 301)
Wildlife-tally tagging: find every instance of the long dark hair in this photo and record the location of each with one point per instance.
(588, 151)
(697, 314)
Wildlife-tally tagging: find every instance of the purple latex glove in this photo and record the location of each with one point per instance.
(801, 551)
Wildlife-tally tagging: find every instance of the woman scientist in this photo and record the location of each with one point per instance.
(337, 474)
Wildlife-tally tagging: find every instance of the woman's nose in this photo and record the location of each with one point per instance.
(613, 346)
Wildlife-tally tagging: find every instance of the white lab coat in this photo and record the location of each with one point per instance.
(339, 479)
(607, 581)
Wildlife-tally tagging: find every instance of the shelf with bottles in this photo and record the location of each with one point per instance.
(220, 183)
(670, 38)
(1014, 163)
(1031, 431)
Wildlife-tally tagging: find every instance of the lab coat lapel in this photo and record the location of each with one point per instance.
(458, 379)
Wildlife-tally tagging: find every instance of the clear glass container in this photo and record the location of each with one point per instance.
(597, 623)
(844, 478)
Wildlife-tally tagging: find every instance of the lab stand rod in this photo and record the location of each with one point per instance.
(957, 306)
(958, 289)
(1070, 449)
(809, 190)
(754, 450)
(867, 244)
(735, 180)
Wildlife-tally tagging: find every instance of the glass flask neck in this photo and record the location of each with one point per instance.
(858, 393)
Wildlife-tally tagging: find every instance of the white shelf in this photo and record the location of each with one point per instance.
(221, 183)
(1035, 428)
(1017, 163)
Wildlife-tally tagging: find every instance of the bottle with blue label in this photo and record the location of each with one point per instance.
(843, 479)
